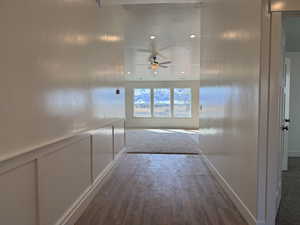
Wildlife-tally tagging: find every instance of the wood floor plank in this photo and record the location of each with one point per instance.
(161, 190)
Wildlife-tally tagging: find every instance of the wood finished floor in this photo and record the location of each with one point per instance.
(161, 190)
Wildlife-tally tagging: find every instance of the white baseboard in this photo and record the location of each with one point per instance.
(294, 153)
(77, 209)
(243, 209)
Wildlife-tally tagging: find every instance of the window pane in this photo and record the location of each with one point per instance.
(162, 102)
(142, 102)
(182, 102)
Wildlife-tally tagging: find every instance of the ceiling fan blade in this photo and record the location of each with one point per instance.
(144, 50)
(162, 66)
(161, 55)
(166, 62)
(164, 48)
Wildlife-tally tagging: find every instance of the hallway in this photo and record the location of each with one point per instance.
(139, 112)
(152, 189)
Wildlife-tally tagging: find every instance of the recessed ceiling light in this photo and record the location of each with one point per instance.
(152, 37)
(155, 72)
(192, 36)
(128, 72)
(182, 72)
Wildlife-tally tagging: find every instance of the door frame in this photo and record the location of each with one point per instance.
(272, 59)
(274, 118)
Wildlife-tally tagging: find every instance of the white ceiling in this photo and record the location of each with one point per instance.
(172, 24)
(126, 2)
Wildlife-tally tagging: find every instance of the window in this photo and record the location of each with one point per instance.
(162, 102)
(142, 102)
(182, 102)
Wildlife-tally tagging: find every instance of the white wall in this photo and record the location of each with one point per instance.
(230, 69)
(61, 62)
(192, 122)
(294, 128)
(55, 57)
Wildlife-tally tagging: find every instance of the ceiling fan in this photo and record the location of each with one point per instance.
(153, 58)
(155, 65)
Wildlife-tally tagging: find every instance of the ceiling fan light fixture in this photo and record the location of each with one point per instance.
(154, 66)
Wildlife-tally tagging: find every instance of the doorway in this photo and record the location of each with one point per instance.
(283, 166)
(289, 207)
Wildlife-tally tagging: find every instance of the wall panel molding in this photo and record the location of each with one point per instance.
(63, 176)
(102, 150)
(18, 195)
(119, 137)
(83, 202)
(38, 151)
(55, 181)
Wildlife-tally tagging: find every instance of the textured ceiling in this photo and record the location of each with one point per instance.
(172, 24)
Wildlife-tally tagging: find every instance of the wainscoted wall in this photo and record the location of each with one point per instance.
(61, 63)
(119, 130)
(102, 144)
(132, 122)
(60, 185)
(229, 94)
(18, 195)
(52, 184)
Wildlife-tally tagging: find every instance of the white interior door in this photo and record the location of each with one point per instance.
(285, 112)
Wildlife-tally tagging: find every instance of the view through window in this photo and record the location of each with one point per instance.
(182, 102)
(162, 102)
(142, 102)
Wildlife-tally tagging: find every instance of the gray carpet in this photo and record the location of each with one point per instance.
(289, 212)
(162, 141)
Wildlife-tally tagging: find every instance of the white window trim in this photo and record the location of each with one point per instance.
(171, 103)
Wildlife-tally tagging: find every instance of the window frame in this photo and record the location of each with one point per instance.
(133, 103)
(172, 114)
(173, 103)
(170, 105)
